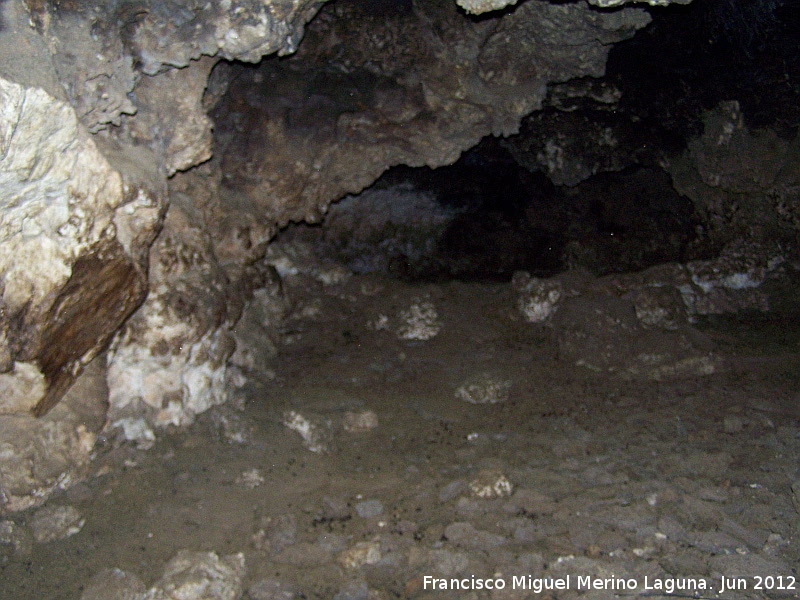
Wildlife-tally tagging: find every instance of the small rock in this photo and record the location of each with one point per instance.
(659, 306)
(748, 565)
(369, 509)
(406, 528)
(532, 503)
(538, 298)
(362, 553)
(313, 436)
(671, 528)
(419, 322)
(250, 479)
(201, 576)
(484, 389)
(360, 422)
(275, 533)
(53, 523)
(469, 506)
(114, 584)
(491, 483)
(447, 562)
(230, 426)
(335, 508)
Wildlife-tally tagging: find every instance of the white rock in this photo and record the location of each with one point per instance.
(538, 299)
(201, 576)
(313, 436)
(491, 483)
(250, 479)
(57, 195)
(419, 322)
(136, 430)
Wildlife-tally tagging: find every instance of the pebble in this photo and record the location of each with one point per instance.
(419, 322)
(53, 523)
(201, 576)
(484, 389)
(360, 422)
(748, 565)
(491, 483)
(362, 553)
(250, 479)
(275, 533)
(447, 563)
(531, 502)
(313, 436)
(452, 491)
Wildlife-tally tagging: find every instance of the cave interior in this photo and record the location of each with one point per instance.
(332, 299)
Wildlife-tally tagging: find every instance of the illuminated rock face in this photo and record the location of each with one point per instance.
(69, 278)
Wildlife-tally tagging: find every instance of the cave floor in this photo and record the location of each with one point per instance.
(684, 480)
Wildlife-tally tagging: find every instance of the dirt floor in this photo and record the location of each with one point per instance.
(563, 476)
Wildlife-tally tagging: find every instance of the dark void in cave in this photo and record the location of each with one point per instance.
(588, 182)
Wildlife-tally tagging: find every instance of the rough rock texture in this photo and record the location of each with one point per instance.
(746, 183)
(169, 362)
(171, 121)
(200, 576)
(477, 7)
(70, 273)
(612, 3)
(38, 456)
(80, 211)
(638, 324)
(577, 134)
(379, 103)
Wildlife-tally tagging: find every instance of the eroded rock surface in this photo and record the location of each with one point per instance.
(69, 278)
(42, 455)
(378, 103)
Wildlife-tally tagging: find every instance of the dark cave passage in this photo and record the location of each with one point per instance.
(583, 185)
(485, 217)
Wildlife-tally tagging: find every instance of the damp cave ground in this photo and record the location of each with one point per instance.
(686, 477)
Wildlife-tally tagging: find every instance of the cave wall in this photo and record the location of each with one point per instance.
(150, 150)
